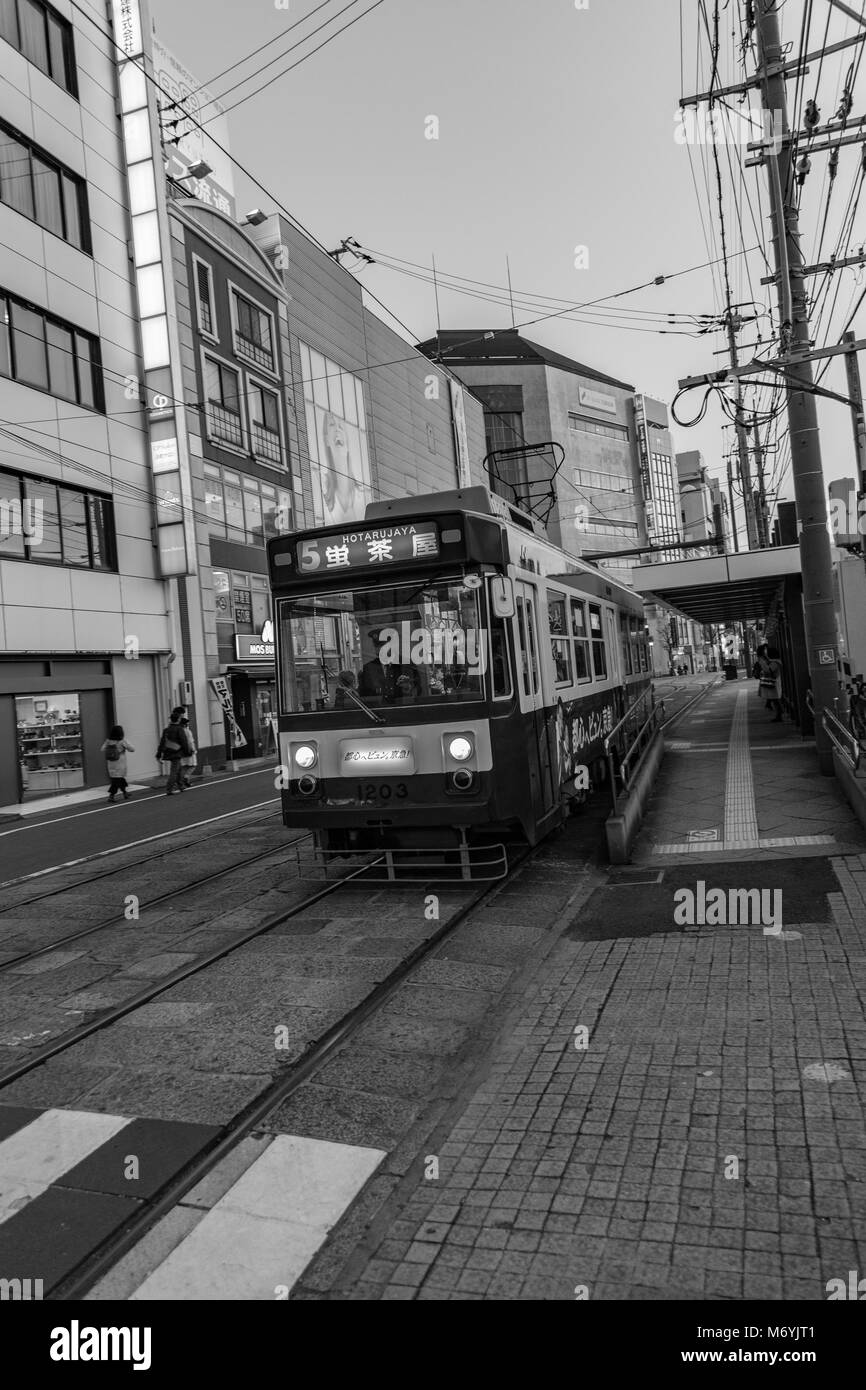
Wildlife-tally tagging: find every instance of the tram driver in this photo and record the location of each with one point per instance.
(387, 680)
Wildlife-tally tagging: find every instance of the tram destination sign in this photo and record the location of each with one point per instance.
(367, 547)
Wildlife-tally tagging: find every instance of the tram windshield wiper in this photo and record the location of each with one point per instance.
(352, 694)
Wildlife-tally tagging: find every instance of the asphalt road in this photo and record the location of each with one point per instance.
(35, 844)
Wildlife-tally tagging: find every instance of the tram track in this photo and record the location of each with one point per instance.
(680, 713)
(86, 881)
(106, 1255)
(117, 918)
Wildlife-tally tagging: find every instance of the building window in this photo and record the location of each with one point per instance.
(51, 524)
(590, 426)
(222, 394)
(240, 508)
(254, 338)
(42, 351)
(38, 32)
(204, 297)
(264, 423)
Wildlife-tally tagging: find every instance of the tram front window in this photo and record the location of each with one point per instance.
(389, 647)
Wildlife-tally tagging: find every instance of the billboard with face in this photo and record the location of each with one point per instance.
(337, 439)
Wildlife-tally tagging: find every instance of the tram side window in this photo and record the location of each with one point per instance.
(526, 636)
(559, 644)
(500, 666)
(533, 645)
(628, 667)
(636, 644)
(599, 656)
(580, 640)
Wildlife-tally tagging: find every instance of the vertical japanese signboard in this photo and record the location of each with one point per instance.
(154, 285)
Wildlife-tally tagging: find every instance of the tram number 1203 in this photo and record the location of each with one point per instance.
(381, 791)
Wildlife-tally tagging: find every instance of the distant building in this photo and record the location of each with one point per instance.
(658, 476)
(696, 502)
(532, 395)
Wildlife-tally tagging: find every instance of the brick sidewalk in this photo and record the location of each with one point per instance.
(605, 1167)
(707, 1142)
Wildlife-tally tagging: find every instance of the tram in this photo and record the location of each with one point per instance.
(446, 677)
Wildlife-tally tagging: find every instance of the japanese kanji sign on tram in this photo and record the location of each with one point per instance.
(366, 548)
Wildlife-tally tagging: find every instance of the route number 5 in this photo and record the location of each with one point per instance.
(310, 557)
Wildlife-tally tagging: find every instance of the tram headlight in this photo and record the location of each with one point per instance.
(305, 755)
(460, 748)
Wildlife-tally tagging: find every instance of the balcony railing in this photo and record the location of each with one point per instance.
(254, 352)
(225, 425)
(266, 444)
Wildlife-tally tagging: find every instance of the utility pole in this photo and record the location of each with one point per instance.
(731, 500)
(852, 371)
(742, 442)
(763, 536)
(809, 489)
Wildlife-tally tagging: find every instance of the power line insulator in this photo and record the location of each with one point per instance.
(804, 165)
(833, 165)
(812, 114)
(845, 106)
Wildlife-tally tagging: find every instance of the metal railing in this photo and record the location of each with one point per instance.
(624, 766)
(843, 739)
(266, 443)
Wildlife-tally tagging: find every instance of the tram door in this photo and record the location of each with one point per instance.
(532, 699)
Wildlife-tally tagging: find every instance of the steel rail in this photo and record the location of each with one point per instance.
(116, 918)
(130, 864)
(97, 1264)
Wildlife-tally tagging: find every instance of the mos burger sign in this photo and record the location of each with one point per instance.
(251, 648)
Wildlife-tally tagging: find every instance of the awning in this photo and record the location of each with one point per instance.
(720, 588)
(263, 671)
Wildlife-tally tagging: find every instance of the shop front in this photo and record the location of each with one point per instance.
(54, 716)
(253, 683)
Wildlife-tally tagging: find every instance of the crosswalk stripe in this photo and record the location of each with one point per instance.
(39, 1153)
(258, 1238)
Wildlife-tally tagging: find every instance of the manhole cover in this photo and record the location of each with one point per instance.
(826, 1071)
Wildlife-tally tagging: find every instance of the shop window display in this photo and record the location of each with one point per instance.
(49, 743)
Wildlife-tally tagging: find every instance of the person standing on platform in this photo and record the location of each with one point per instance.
(769, 669)
(115, 749)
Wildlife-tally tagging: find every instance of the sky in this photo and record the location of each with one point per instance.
(557, 130)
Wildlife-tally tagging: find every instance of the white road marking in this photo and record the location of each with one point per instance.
(157, 791)
(769, 842)
(260, 1236)
(133, 844)
(37, 1155)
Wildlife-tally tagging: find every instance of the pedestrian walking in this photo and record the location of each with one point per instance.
(174, 745)
(189, 762)
(768, 669)
(115, 749)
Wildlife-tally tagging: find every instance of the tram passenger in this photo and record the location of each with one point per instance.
(347, 682)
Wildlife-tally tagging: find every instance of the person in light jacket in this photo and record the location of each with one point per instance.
(769, 669)
(189, 763)
(115, 749)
